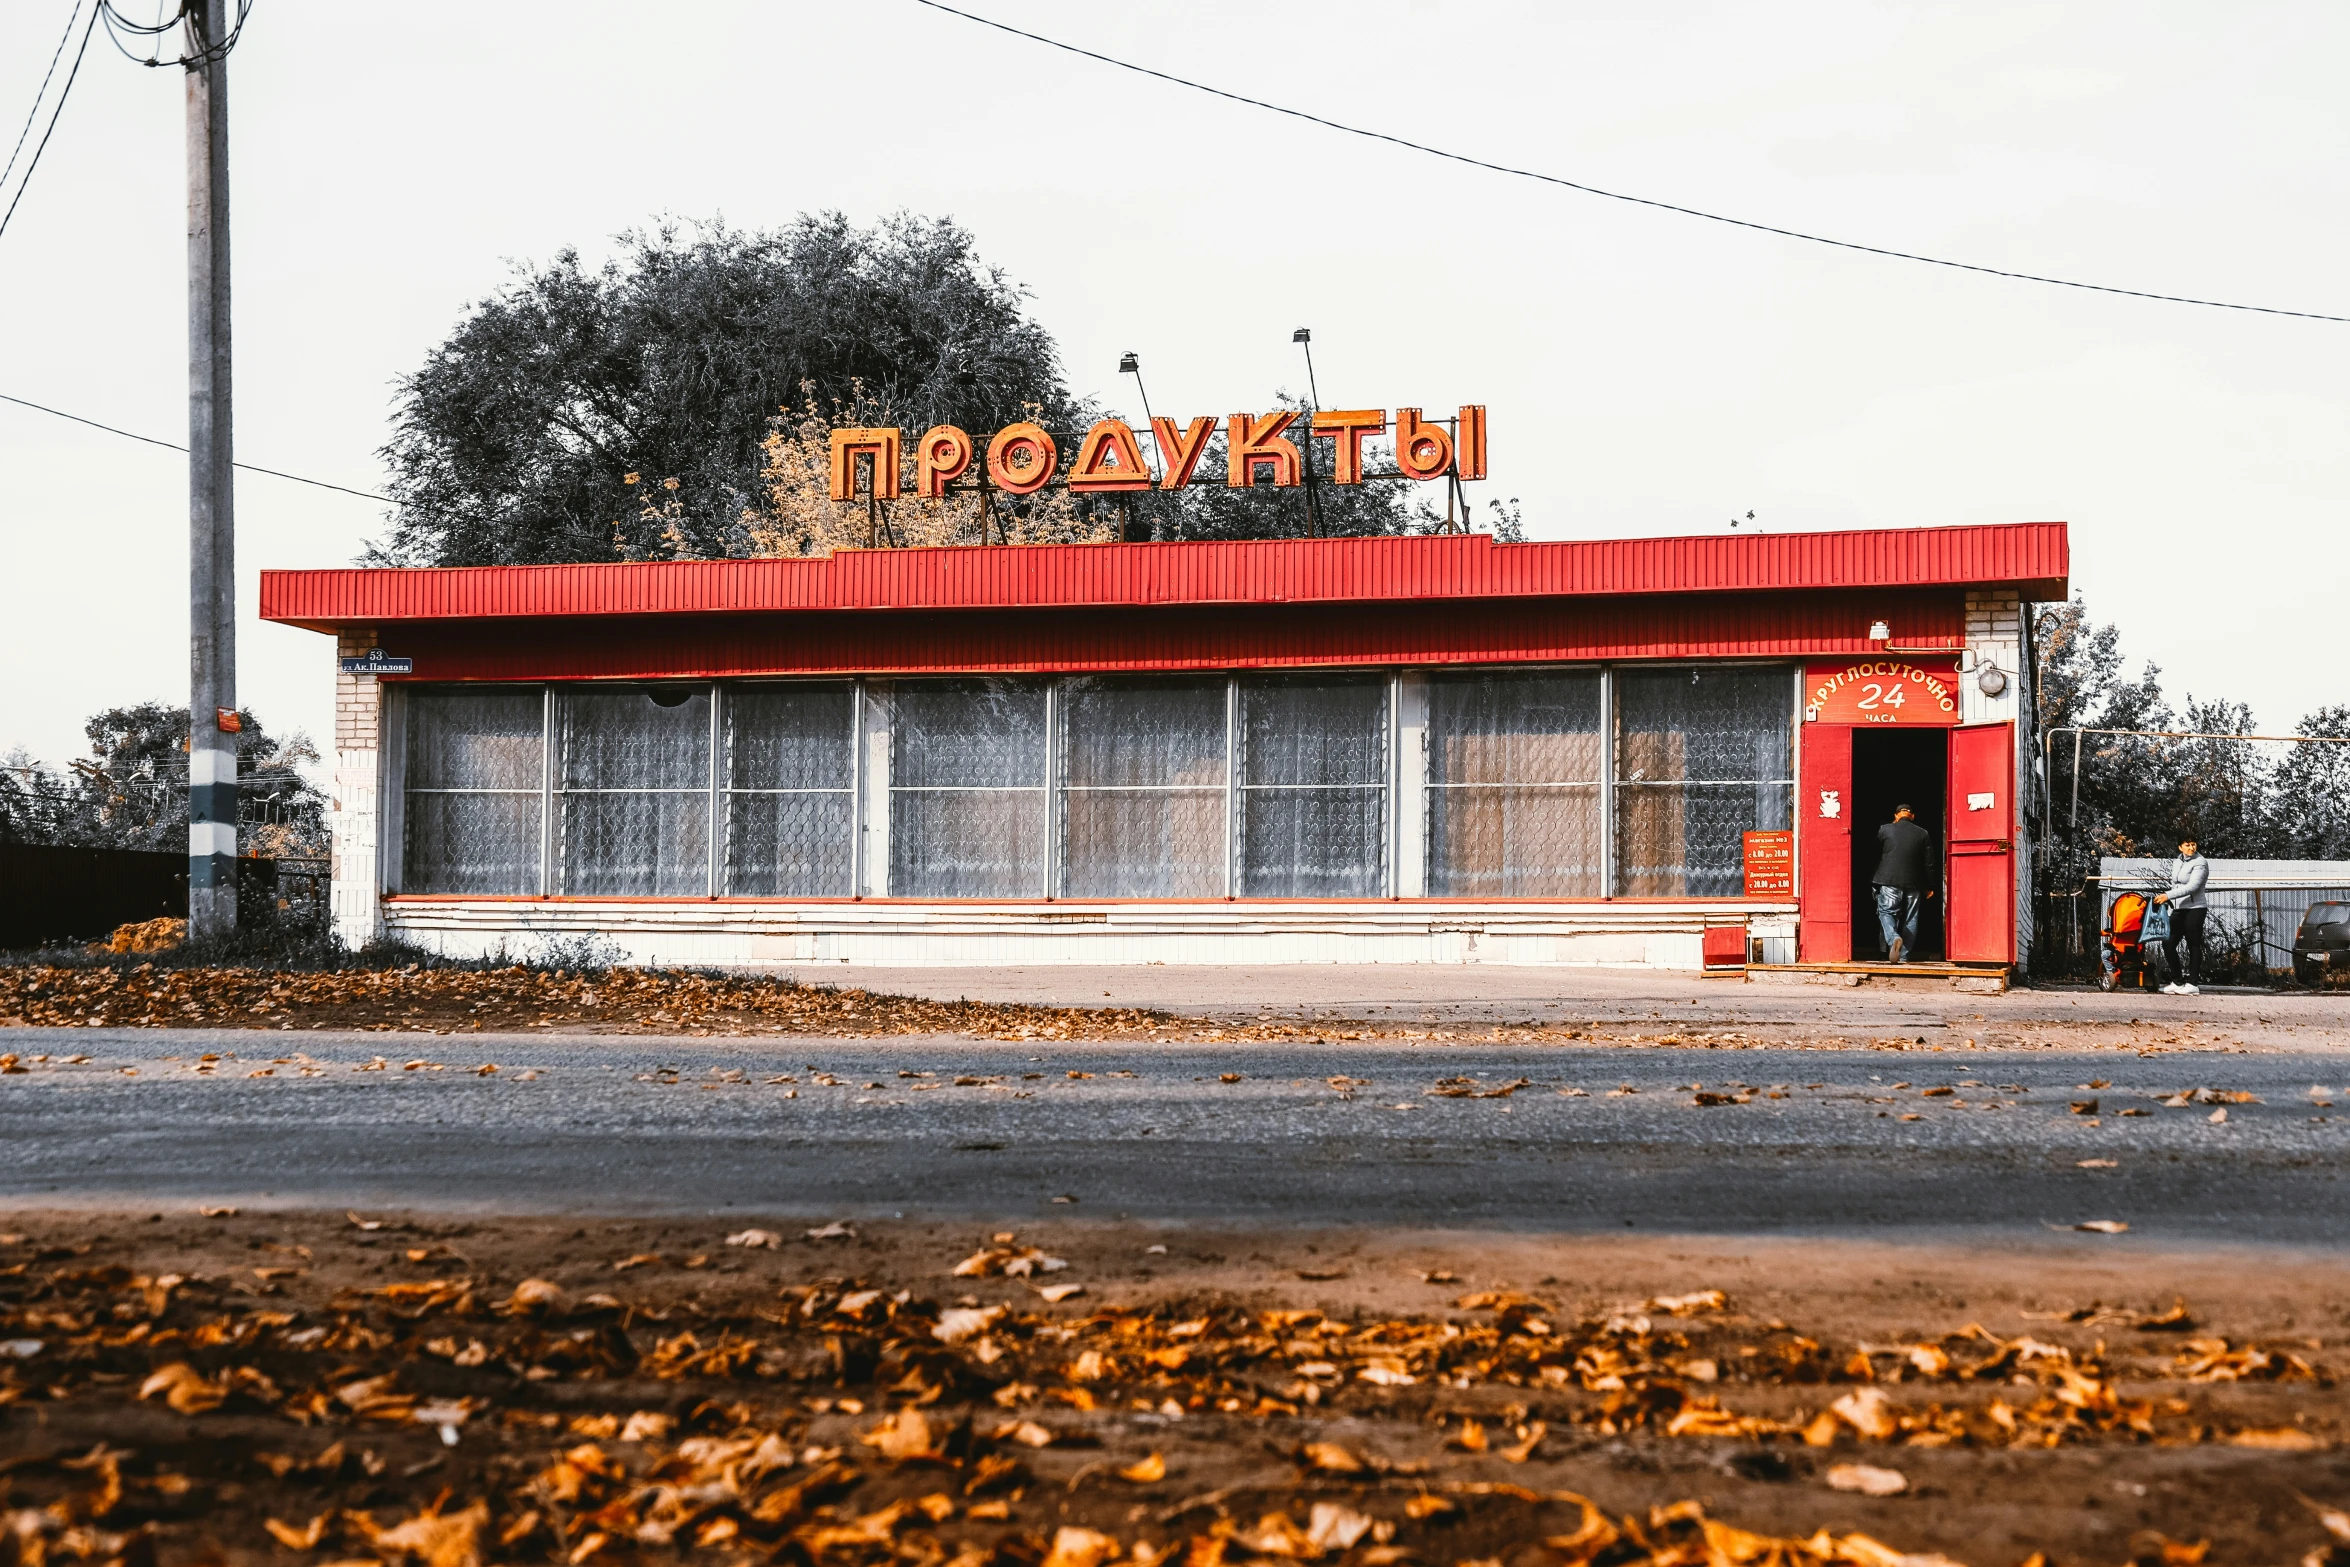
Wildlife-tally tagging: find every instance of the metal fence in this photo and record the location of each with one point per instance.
(297, 893)
(2247, 936)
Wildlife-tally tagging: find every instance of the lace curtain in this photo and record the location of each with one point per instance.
(1513, 788)
(476, 769)
(790, 769)
(1703, 757)
(1313, 787)
(633, 791)
(1514, 765)
(967, 789)
(1142, 788)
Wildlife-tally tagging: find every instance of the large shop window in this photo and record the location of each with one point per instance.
(1143, 788)
(1252, 786)
(475, 787)
(790, 790)
(1514, 763)
(634, 785)
(1313, 787)
(967, 789)
(1703, 756)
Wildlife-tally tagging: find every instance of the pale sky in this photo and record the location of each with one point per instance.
(1646, 373)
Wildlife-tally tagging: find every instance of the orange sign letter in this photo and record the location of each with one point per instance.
(1470, 446)
(1422, 451)
(1108, 459)
(1180, 453)
(1349, 426)
(878, 444)
(1021, 458)
(942, 456)
(1251, 442)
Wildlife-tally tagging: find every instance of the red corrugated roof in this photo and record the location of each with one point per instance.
(2031, 557)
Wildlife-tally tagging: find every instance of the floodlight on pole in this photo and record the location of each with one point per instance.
(1129, 364)
(1304, 338)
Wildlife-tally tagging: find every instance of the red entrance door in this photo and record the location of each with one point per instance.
(1980, 920)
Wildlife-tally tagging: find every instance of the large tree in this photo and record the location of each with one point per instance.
(518, 439)
(2139, 794)
(676, 402)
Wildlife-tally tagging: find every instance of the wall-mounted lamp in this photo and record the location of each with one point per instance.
(1880, 632)
(1991, 679)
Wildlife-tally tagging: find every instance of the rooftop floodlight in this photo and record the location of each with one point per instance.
(1128, 364)
(1880, 632)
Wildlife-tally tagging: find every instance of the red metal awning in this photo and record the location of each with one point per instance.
(2031, 558)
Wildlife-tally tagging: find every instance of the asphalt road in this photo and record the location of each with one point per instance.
(616, 1125)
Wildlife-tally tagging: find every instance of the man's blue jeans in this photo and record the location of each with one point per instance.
(1897, 915)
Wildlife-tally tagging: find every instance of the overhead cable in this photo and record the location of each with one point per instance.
(1616, 195)
(365, 495)
(116, 23)
(34, 112)
(62, 94)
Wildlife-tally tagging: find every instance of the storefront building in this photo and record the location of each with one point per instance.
(1656, 751)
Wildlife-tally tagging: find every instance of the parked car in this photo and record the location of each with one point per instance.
(2322, 942)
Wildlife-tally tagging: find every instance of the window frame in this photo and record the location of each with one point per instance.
(1407, 792)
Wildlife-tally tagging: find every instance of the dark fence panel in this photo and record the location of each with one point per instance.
(50, 894)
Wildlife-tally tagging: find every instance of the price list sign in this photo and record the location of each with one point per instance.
(1770, 864)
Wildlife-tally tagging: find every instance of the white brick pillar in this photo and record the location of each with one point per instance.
(357, 897)
(1995, 634)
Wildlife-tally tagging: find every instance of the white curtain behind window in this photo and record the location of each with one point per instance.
(790, 816)
(1514, 763)
(1703, 757)
(633, 782)
(966, 789)
(476, 759)
(1143, 786)
(1313, 786)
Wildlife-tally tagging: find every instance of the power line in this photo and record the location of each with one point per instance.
(34, 112)
(63, 93)
(365, 495)
(1615, 195)
(116, 23)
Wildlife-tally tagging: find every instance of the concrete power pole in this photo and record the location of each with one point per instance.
(212, 558)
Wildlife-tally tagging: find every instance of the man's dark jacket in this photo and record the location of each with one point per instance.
(1907, 857)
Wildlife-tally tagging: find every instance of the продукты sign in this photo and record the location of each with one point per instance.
(1022, 458)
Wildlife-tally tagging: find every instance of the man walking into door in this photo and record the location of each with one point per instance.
(2188, 875)
(1904, 880)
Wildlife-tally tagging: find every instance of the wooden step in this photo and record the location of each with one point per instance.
(1973, 978)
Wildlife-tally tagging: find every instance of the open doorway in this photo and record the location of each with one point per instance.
(1893, 767)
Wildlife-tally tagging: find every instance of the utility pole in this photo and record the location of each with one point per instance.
(212, 559)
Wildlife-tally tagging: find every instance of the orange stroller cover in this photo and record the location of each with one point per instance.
(2129, 916)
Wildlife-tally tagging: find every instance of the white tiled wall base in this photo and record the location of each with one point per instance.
(356, 897)
(1648, 935)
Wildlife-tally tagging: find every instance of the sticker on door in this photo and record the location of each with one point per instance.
(1981, 802)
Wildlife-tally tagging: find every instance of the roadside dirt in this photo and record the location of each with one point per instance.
(654, 1001)
(329, 1388)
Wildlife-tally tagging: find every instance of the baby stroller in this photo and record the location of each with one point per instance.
(2134, 923)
